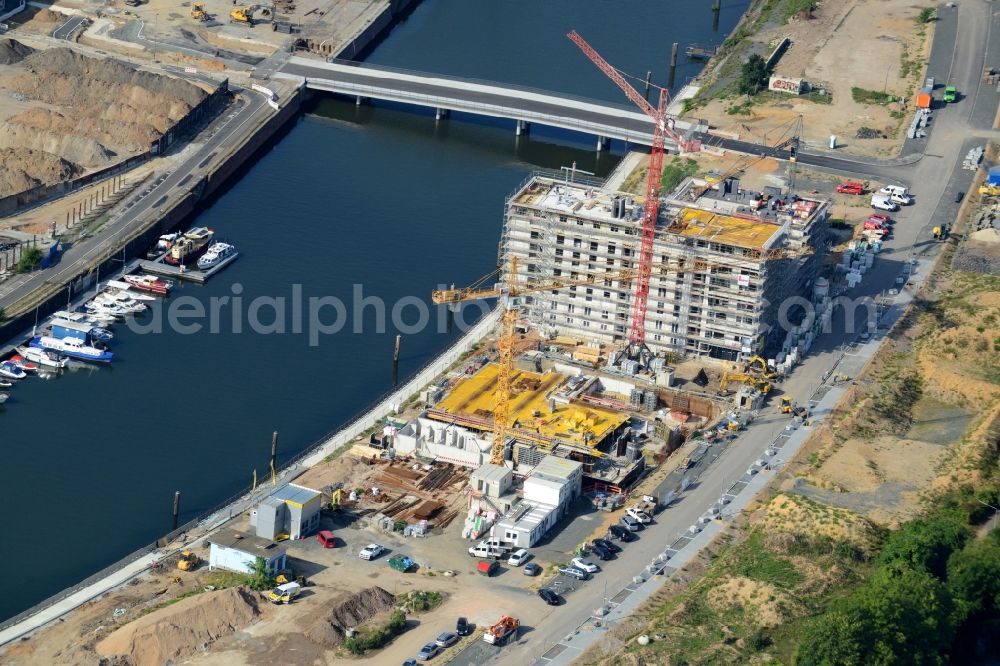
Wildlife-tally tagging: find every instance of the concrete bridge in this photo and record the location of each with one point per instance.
(525, 106)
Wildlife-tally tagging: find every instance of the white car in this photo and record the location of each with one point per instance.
(890, 190)
(371, 551)
(518, 557)
(584, 565)
(639, 515)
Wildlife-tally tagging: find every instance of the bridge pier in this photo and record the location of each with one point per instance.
(359, 100)
(602, 143)
(522, 127)
(440, 114)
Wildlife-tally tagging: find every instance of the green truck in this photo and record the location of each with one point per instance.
(401, 563)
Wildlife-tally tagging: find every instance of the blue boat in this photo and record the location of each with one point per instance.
(72, 347)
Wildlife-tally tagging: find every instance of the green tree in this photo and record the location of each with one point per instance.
(924, 545)
(260, 577)
(900, 617)
(754, 75)
(30, 258)
(974, 576)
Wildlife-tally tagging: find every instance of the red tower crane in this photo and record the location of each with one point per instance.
(663, 127)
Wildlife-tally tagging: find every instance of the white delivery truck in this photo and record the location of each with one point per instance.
(883, 202)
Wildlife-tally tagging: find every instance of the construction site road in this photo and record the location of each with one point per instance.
(954, 133)
(227, 131)
(68, 28)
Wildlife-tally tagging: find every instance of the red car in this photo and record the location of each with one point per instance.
(880, 218)
(851, 188)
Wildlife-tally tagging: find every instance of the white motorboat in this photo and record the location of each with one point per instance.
(44, 358)
(80, 317)
(122, 300)
(4, 397)
(150, 283)
(100, 307)
(72, 347)
(9, 370)
(119, 287)
(218, 253)
(6, 384)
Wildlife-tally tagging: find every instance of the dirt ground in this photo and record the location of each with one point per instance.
(836, 50)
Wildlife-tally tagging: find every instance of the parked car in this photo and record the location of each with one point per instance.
(549, 597)
(900, 199)
(518, 557)
(893, 189)
(410, 662)
(428, 652)
(630, 523)
(881, 218)
(532, 569)
(487, 567)
(283, 594)
(639, 515)
(326, 539)
(882, 202)
(609, 545)
(462, 627)
(959, 196)
(601, 552)
(851, 188)
(622, 533)
(371, 551)
(447, 639)
(573, 572)
(581, 563)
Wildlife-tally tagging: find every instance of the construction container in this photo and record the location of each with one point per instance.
(993, 178)
(924, 99)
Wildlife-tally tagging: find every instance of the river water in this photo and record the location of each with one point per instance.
(377, 199)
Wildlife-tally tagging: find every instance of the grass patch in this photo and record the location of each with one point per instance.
(815, 97)
(421, 601)
(678, 169)
(864, 96)
(756, 562)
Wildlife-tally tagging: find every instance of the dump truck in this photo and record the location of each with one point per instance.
(401, 563)
(500, 633)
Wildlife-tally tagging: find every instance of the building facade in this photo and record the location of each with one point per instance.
(720, 264)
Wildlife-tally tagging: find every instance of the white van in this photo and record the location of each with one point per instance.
(900, 199)
(882, 202)
(889, 190)
(283, 594)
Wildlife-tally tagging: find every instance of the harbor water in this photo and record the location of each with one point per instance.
(358, 205)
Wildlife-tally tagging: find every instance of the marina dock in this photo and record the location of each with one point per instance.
(163, 269)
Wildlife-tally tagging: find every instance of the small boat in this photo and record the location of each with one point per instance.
(190, 246)
(101, 334)
(104, 308)
(9, 370)
(45, 359)
(218, 252)
(163, 245)
(150, 283)
(4, 397)
(122, 300)
(23, 363)
(6, 384)
(78, 317)
(95, 318)
(119, 287)
(73, 348)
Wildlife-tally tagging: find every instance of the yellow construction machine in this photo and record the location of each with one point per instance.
(786, 405)
(758, 383)
(189, 561)
(989, 190)
(245, 14)
(198, 11)
(758, 366)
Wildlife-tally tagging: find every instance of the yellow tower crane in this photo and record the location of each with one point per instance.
(485, 287)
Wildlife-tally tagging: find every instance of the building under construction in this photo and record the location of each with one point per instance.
(725, 259)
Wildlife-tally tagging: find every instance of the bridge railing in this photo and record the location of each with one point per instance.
(485, 82)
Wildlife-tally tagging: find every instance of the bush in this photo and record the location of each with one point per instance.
(676, 171)
(754, 75)
(926, 15)
(420, 601)
(29, 260)
(863, 96)
(259, 578)
(924, 545)
(378, 637)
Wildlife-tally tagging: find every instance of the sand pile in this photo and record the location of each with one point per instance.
(349, 611)
(762, 603)
(184, 628)
(24, 168)
(12, 51)
(986, 236)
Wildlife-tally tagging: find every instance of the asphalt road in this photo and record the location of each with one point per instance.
(226, 130)
(67, 28)
(935, 180)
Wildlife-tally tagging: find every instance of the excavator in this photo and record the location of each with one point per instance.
(198, 11)
(989, 190)
(245, 14)
(758, 383)
(758, 366)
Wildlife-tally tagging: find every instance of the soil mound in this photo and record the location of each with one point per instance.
(184, 628)
(24, 169)
(13, 51)
(349, 611)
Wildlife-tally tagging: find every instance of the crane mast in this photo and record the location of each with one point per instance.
(663, 128)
